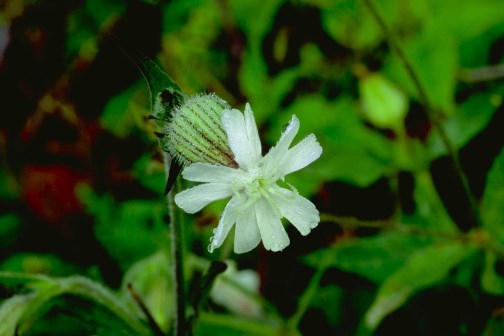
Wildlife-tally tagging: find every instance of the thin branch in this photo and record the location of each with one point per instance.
(395, 45)
(177, 267)
(150, 319)
(482, 74)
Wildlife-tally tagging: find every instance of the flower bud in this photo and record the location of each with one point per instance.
(195, 132)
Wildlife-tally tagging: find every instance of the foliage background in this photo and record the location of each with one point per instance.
(401, 248)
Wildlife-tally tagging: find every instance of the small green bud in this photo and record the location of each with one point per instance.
(195, 132)
(383, 104)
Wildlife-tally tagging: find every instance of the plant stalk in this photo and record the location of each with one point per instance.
(431, 110)
(177, 261)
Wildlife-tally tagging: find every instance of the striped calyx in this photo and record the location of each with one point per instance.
(195, 132)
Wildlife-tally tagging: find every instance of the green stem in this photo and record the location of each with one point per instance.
(177, 264)
(311, 290)
(434, 117)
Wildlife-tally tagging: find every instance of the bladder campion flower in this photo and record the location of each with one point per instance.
(257, 202)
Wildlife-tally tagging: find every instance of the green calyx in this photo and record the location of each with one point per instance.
(195, 132)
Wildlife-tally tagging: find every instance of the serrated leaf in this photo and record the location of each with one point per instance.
(423, 269)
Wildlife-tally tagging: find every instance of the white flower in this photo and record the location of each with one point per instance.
(257, 202)
(225, 293)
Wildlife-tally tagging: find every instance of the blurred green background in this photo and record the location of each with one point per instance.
(410, 185)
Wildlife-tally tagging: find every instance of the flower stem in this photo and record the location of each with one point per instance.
(177, 264)
(434, 117)
(310, 291)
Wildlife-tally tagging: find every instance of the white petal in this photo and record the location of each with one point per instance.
(239, 142)
(252, 133)
(277, 153)
(301, 155)
(247, 235)
(194, 199)
(205, 172)
(226, 222)
(272, 231)
(298, 210)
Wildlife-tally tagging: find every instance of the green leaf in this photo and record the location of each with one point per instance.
(349, 23)
(351, 151)
(29, 308)
(130, 230)
(9, 229)
(11, 311)
(150, 278)
(374, 258)
(468, 120)
(430, 211)
(491, 281)
(492, 210)
(423, 269)
(126, 111)
(329, 300)
(224, 325)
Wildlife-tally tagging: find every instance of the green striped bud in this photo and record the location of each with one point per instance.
(195, 132)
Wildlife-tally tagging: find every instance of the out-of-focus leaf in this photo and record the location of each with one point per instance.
(491, 281)
(220, 324)
(435, 67)
(150, 278)
(85, 26)
(470, 118)
(495, 326)
(349, 23)
(126, 111)
(351, 151)
(492, 209)
(430, 211)
(374, 258)
(131, 230)
(383, 104)
(423, 269)
(37, 264)
(329, 300)
(9, 229)
(31, 307)
(11, 311)
(150, 173)
(8, 187)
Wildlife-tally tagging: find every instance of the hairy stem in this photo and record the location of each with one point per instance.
(434, 117)
(177, 262)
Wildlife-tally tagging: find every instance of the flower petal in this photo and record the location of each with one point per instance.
(298, 210)
(206, 172)
(194, 199)
(277, 153)
(253, 134)
(236, 129)
(247, 235)
(272, 231)
(226, 222)
(301, 155)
